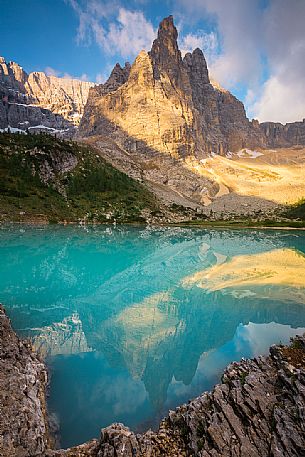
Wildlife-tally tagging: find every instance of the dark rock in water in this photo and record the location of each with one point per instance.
(257, 410)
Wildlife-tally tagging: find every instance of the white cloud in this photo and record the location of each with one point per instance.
(256, 41)
(130, 34)
(84, 77)
(280, 102)
(206, 41)
(49, 71)
(101, 78)
(115, 29)
(67, 76)
(239, 36)
(283, 95)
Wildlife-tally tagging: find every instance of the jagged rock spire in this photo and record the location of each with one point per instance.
(117, 78)
(196, 66)
(165, 53)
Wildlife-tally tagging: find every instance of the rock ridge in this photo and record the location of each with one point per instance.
(37, 101)
(257, 410)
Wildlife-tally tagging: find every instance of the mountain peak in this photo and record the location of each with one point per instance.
(165, 54)
(196, 66)
(167, 26)
(118, 76)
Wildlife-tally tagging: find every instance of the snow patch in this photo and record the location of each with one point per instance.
(44, 127)
(24, 104)
(52, 129)
(249, 154)
(12, 130)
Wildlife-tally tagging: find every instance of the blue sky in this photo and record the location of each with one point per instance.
(255, 48)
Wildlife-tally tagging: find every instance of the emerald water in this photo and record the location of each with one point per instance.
(136, 321)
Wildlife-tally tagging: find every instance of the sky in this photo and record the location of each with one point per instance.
(254, 48)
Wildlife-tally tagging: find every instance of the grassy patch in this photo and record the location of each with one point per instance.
(42, 177)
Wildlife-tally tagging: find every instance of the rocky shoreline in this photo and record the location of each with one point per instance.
(257, 410)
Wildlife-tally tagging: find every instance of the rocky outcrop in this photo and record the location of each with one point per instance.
(170, 104)
(23, 379)
(36, 101)
(257, 410)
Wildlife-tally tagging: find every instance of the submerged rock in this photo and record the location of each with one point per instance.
(257, 410)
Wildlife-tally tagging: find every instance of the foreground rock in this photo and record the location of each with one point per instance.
(257, 410)
(23, 380)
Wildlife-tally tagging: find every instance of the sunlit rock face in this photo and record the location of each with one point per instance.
(169, 104)
(143, 113)
(279, 135)
(37, 101)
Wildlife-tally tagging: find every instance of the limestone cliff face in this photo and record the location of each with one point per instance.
(153, 108)
(169, 104)
(279, 135)
(150, 108)
(30, 101)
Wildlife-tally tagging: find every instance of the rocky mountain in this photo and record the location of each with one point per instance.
(36, 101)
(163, 120)
(165, 123)
(170, 104)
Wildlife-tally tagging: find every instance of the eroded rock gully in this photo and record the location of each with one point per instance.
(257, 410)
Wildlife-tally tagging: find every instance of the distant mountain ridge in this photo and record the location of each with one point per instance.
(37, 101)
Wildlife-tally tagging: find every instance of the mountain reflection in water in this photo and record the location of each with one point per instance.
(135, 321)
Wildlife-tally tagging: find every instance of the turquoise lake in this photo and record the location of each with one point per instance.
(134, 321)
